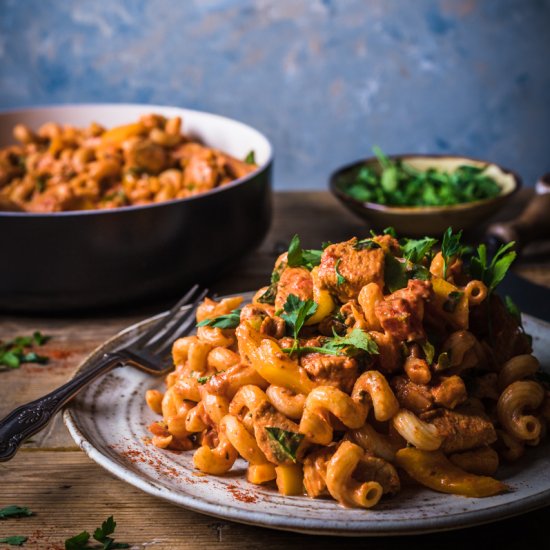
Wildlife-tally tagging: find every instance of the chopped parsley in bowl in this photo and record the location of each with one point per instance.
(395, 182)
(423, 194)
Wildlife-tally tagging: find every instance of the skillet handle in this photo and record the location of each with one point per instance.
(532, 224)
(29, 419)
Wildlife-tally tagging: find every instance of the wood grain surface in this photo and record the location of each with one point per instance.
(69, 493)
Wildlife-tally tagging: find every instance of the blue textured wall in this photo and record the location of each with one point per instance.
(323, 79)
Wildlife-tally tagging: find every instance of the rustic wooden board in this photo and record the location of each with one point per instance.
(70, 493)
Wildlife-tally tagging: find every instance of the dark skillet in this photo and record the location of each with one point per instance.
(93, 259)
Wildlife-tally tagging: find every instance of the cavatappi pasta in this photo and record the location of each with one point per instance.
(59, 168)
(359, 362)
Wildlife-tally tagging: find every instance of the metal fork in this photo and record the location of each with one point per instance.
(148, 352)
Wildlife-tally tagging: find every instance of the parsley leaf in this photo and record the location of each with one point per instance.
(356, 341)
(450, 247)
(78, 542)
(101, 534)
(231, 320)
(491, 275)
(14, 540)
(284, 443)
(13, 354)
(299, 257)
(366, 244)
(14, 511)
(395, 276)
(295, 313)
(415, 250)
(351, 344)
(340, 279)
(429, 352)
(250, 158)
(203, 379)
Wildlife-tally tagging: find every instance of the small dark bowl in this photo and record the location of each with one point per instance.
(416, 221)
(97, 258)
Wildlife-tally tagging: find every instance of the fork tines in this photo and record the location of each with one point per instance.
(177, 322)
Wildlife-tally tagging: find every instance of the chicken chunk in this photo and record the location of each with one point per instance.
(401, 313)
(411, 396)
(461, 429)
(294, 280)
(356, 267)
(267, 416)
(339, 371)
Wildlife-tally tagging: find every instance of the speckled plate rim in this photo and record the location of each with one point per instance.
(380, 527)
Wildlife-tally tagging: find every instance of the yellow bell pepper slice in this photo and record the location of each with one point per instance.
(453, 309)
(434, 470)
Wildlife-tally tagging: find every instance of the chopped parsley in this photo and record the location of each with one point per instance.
(15, 352)
(250, 158)
(231, 320)
(101, 535)
(203, 379)
(295, 313)
(14, 540)
(354, 343)
(284, 443)
(493, 273)
(415, 250)
(429, 352)
(398, 183)
(340, 279)
(299, 257)
(366, 244)
(450, 248)
(14, 511)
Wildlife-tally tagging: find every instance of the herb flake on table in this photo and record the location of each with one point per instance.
(101, 535)
(14, 540)
(14, 511)
(19, 350)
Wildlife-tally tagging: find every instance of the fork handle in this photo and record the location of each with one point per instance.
(29, 419)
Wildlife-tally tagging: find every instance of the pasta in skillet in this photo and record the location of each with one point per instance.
(358, 362)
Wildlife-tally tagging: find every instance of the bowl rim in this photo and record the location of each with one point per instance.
(264, 167)
(367, 205)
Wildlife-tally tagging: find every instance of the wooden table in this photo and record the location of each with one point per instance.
(69, 493)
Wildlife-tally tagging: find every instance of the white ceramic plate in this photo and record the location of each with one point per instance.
(109, 421)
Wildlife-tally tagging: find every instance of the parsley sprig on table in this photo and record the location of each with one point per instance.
(101, 535)
(19, 350)
(14, 511)
(397, 183)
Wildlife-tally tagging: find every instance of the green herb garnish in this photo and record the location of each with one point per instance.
(299, 257)
(284, 443)
(415, 250)
(295, 313)
(357, 341)
(429, 352)
(13, 352)
(492, 274)
(203, 379)
(250, 158)
(14, 511)
(14, 540)
(366, 244)
(101, 534)
(397, 183)
(231, 320)
(450, 248)
(340, 279)
(395, 273)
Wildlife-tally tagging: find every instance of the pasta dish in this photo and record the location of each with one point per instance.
(60, 168)
(364, 365)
